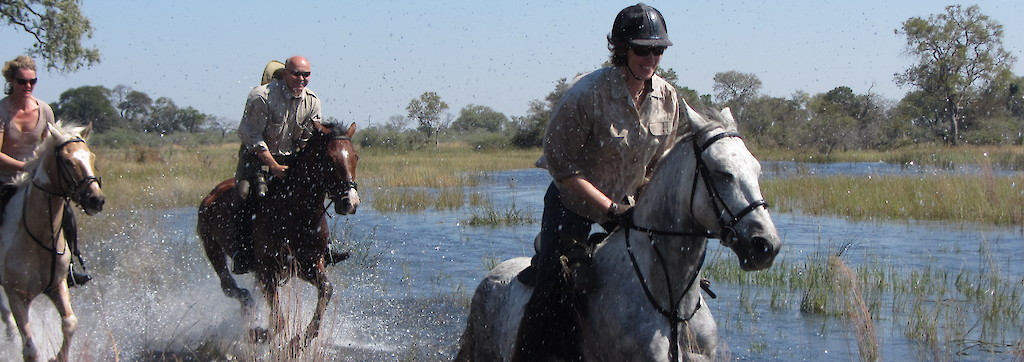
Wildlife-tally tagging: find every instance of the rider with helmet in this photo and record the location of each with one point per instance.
(601, 144)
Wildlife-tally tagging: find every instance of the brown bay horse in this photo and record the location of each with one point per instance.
(33, 252)
(290, 231)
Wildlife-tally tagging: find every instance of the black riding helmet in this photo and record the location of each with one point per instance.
(640, 25)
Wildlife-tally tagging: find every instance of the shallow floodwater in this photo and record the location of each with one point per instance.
(404, 296)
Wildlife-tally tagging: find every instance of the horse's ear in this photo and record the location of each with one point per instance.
(321, 128)
(351, 130)
(51, 130)
(696, 120)
(727, 115)
(87, 131)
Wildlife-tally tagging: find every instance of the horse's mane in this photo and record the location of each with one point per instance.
(48, 145)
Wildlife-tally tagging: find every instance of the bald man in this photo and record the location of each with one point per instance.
(277, 121)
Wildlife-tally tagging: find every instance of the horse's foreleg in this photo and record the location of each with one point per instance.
(61, 299)
(19, 308)
(276, 324)
(323, 296)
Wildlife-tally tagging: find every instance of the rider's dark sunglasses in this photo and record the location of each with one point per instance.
(645, 51)
(301, 74)
(24, 81)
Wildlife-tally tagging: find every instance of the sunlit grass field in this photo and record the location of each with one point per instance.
(174, 176)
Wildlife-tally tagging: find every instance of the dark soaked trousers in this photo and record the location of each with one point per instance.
(549, 328)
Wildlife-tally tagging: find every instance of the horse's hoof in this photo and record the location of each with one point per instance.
(259, 335)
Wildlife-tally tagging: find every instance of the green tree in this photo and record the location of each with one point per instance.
(958, 53)
(774, 121)
(58, 27)
(428, 110)
(88, 104)
(834, 121)
(529, 129)
(736, 90)
(134, 106)
(479, 118)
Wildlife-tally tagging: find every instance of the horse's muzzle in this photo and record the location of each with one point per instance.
(759, 253)
(92, 204)
(347, 204)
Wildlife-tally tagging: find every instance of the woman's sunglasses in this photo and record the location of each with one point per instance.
(24, 81)
(645, 51)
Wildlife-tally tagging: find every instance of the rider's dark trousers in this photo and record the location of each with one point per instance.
(548, 327)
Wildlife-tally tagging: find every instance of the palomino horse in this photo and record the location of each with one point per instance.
(33, 251)
(645, 304)
(290, 232)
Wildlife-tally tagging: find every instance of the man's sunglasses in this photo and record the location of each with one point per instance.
(24, 81)
(301, 74)
(645, 51)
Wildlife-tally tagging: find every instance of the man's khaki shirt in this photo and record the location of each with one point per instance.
(597, 132)
(275, 120)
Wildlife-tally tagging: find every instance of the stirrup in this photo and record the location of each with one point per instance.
(577, 263)
(76, 279)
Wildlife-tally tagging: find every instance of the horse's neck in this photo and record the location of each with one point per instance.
(665, 201)
(300, 190)
(665, 206)
(41, 212)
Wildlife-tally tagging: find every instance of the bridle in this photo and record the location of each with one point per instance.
(346, 184)
(65, 177)
(727, 226)
(728, 231)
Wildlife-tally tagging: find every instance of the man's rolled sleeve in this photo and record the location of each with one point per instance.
(254, 121)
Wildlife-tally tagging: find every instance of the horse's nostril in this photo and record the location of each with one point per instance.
(761, 245)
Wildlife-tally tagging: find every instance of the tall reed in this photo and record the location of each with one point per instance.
(986, 198)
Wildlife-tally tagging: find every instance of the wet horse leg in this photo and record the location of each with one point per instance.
(218, 259)
(5, 314)
(19, 307)
(268, 282)
(61, 299)
(316, 276)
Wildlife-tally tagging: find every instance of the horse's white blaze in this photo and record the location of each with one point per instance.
(353, 197)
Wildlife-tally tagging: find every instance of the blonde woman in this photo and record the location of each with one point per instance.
(23, 119)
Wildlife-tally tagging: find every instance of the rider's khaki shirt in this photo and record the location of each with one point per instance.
(596, 131)
(275, 120)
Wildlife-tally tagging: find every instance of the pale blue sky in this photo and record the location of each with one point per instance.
(371, 58)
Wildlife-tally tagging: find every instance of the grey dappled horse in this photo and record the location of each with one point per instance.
(34, 256)
(646, 303)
